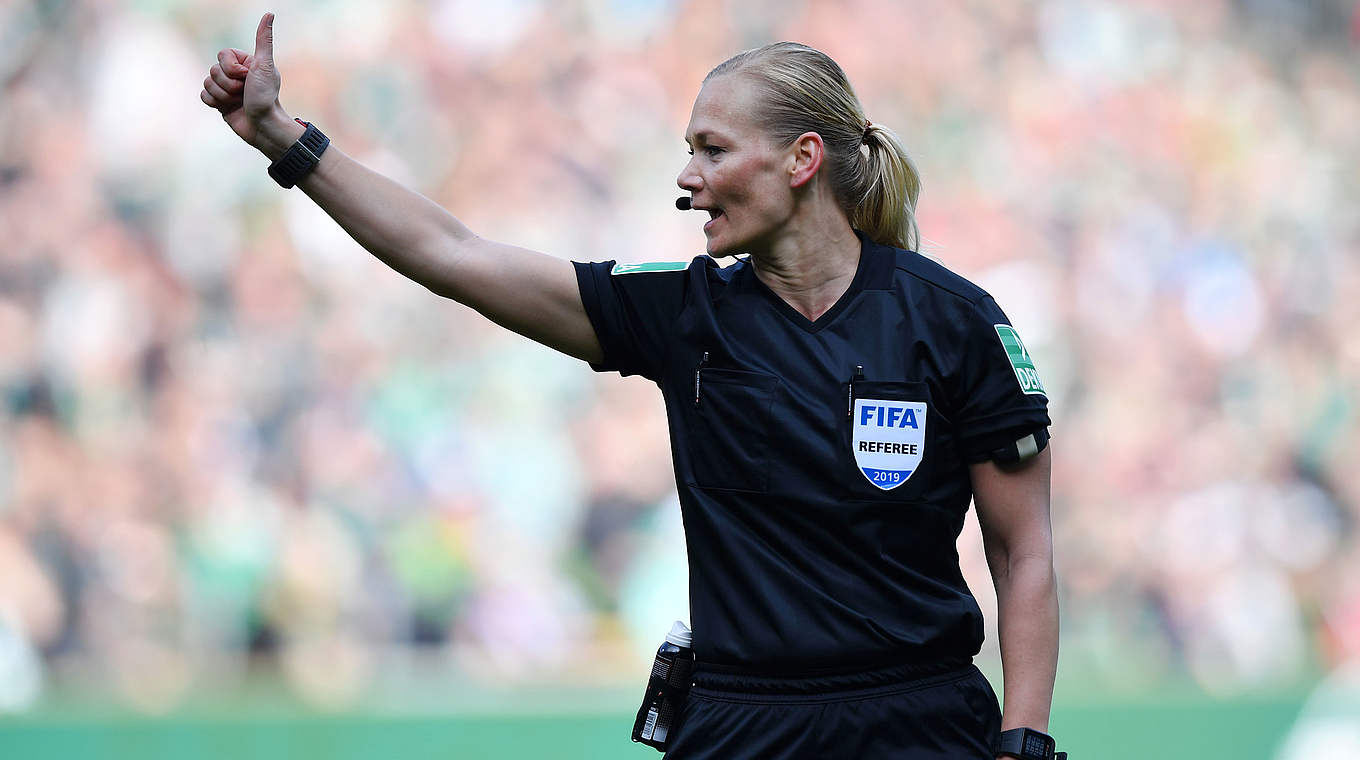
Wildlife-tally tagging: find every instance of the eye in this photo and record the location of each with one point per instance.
(712, 151)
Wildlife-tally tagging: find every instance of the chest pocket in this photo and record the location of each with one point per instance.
(729, 429)
(889, 440)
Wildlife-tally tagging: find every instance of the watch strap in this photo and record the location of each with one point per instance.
(301, 157)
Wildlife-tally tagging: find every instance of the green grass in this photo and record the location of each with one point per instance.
(1188, 726)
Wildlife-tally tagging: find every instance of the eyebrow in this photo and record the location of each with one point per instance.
(702, 136)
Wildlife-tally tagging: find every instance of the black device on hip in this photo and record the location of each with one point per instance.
(667, 689)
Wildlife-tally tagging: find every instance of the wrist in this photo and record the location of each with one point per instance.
(300, 158)
(1034, 725)
(276, 133)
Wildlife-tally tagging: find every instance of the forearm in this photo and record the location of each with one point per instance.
(1027, 605)
(529, 292)
(401, 227)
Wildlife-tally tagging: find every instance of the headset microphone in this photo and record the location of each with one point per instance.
(683, 203)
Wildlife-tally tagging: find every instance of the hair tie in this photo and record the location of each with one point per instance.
(865, 137)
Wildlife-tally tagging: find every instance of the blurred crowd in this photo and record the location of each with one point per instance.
(232, 442)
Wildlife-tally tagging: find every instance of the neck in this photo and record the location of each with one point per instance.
(811, 263)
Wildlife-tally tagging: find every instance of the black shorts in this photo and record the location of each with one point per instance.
(889, 713)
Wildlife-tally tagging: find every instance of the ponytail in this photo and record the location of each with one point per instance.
(872, 177)
(886, 205)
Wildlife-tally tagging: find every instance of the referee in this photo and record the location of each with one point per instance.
(835, 403)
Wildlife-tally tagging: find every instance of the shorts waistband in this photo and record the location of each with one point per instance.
(726, 678)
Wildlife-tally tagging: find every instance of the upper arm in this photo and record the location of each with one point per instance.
(1013, 507)
(1002, 412)
(531, 293)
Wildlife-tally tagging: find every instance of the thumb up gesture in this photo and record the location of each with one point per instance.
(245, 89)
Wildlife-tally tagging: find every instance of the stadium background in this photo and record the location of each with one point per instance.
(261, 497)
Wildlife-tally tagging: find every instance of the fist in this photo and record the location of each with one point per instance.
(245, 88)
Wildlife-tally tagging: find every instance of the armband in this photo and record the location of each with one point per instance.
(1018, 451)
(300, 158)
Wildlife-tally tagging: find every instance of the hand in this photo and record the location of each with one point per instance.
(245, 89)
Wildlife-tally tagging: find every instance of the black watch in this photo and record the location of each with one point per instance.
(300, 158)
(1028, 744)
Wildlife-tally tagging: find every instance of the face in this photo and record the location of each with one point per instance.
(735, 173)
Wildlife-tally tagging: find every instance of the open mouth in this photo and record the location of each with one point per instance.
(713, 216)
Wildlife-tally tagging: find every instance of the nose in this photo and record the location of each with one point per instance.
(689, 179)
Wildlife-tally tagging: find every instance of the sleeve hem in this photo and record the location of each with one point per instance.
(977, 447)
(585, 282)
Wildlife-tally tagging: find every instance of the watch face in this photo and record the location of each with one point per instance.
(1038, 745)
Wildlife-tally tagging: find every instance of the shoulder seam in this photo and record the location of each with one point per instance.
(975, 300)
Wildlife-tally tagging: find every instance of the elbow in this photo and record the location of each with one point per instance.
(1029, 567)
(439, 261)
(1037, 562)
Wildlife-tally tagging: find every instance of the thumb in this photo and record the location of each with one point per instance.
(264, 41)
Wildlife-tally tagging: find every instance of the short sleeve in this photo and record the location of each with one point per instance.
(1002, 399)
(634, 309)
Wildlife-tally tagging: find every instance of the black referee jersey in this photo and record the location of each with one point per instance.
(822, 465)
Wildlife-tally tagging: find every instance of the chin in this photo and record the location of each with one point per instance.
(717, 248)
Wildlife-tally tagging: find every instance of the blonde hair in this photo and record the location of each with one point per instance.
(872, 177)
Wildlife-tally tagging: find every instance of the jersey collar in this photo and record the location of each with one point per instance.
(874, 272)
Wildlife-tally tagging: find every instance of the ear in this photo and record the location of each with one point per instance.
(805, 158)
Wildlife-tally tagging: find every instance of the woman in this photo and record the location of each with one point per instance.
(835, 402)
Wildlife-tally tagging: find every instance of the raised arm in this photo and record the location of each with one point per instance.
(1017, 537)
(531, 293)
